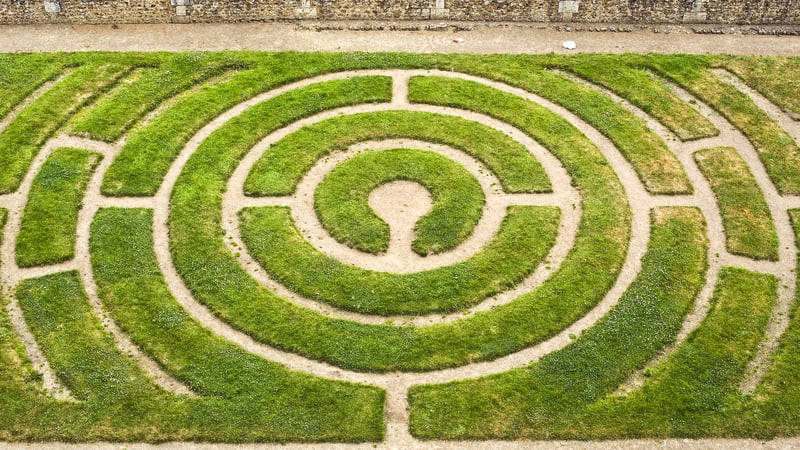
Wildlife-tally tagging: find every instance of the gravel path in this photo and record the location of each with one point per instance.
(497, 38)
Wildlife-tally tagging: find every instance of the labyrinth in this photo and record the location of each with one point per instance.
(397, 248)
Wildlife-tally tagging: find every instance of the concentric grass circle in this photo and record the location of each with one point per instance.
(342, 200)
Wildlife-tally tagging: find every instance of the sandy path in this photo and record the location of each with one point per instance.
(496, 38)
(397, 384)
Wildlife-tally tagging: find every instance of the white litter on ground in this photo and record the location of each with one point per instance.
(569, 45)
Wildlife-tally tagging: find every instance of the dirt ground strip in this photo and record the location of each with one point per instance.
(479, 40)
(510, 38)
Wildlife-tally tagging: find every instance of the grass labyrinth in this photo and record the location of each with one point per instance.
(246, 247)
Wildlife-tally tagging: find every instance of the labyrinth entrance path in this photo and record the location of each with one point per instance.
(398, 249)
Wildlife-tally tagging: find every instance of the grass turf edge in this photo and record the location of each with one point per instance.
(341, 200)
(746, 218)
(48, 229)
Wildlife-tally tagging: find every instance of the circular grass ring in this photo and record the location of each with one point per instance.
(341, 200)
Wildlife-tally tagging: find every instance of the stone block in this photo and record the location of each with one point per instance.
(52, 6)
(305, 10)
(695, 17)
(568, 6)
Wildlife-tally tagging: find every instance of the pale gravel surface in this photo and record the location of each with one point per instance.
(512, 38)
(397, 384)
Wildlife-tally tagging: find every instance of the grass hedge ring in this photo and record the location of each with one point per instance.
(342, 200)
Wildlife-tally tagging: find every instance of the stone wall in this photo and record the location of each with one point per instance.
(750, 12)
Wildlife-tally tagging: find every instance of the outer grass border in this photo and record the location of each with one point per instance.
(775, 78)
(21, 75)
(777, 150)
(777, 399)
(21, 141)
(117, 112)
(341, 200)
(48, 230)
(118, 402)
(543, 400)
(525, 237)
(696, 391)
(749, 228)
(647, 94)
(216, 279)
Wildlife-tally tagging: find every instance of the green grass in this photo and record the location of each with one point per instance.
(647, 94)
(118, 111)
(214, 275)
(775, 78)
(118, 402)
(342, 200)
(280, 169)
(777, 149)
(50, 218)
(21, 75)
(524, 239)
(82, 355)
(778, 396)
(543, 400)
(696, 391)
(22, 140)
(749, 229)
(659, 170)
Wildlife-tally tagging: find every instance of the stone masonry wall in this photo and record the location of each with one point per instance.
(749, 12)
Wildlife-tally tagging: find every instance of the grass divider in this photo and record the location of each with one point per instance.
(647, 94)
(775, 78)
(21, 141)
(22, 75)
(746, 218)
(260, 399)
(523, 241)
(48, 229)
(657, 168)
(278, 171)
(123, 107)
(695, 392)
